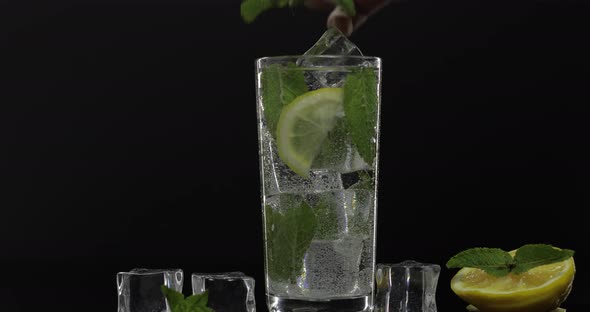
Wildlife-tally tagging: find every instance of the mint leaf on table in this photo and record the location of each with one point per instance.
(178, 303)
(288, 237)
(198, 300)
(360, 108)
(174, 298)
(280, 86)
(347, 6)
(493, 261)
(533, 255)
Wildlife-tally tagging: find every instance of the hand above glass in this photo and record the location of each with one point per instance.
(338, 17)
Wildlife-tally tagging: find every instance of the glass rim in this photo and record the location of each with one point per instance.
(322, 56)
(373, 60)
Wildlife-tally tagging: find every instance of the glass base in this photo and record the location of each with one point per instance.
(353, 304)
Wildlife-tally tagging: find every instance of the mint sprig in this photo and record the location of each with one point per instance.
(280, 85)
(347, 6)
(494, 261)
(178, 303)
(533, 255)
(498, 262)
(251, 9)
(360, 108)
(288, 236)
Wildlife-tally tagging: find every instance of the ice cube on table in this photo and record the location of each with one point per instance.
(332, 42)
(228, 292)
(139, 290)
(408, 286)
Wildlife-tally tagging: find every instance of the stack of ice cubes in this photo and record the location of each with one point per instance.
(139, 290)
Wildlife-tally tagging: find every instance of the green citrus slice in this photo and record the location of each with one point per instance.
(304, 124)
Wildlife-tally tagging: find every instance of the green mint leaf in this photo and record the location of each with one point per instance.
(280, 86)
(533, 255)
(347, 6)
(288, 236)
(326, 216)
(174, 298)
(360, 108)
(294, 3)
(493, 261)
(250, 9)
(365, 182)
(198, 300)
(178, 303)
(333, 150)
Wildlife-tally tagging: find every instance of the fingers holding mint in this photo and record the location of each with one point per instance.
(349, 18)
(351, 7)
(346, 15)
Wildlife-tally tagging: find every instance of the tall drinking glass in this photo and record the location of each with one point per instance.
(318, 123)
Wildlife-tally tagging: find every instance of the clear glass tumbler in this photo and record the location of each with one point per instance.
(318, 122)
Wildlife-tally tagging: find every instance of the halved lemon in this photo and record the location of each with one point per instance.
(540, 289)
(304, 124)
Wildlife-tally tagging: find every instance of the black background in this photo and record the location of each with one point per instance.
(128, 137)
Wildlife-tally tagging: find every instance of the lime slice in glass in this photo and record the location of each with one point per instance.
(304, 124)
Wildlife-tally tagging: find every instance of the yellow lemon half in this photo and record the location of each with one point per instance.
(540, 289)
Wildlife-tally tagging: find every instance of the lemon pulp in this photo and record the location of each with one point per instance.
(304, 124)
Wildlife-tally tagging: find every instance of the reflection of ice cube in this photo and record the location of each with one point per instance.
(338, 153)
(139, 290)
(409, 286)
(228, 292)
(325, 180)
(278, 178)
(359, 211)
(332, 267)
(332, 42)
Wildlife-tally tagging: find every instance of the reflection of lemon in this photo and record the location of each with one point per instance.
(304, 125)
(474, 309)
(540, 289)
